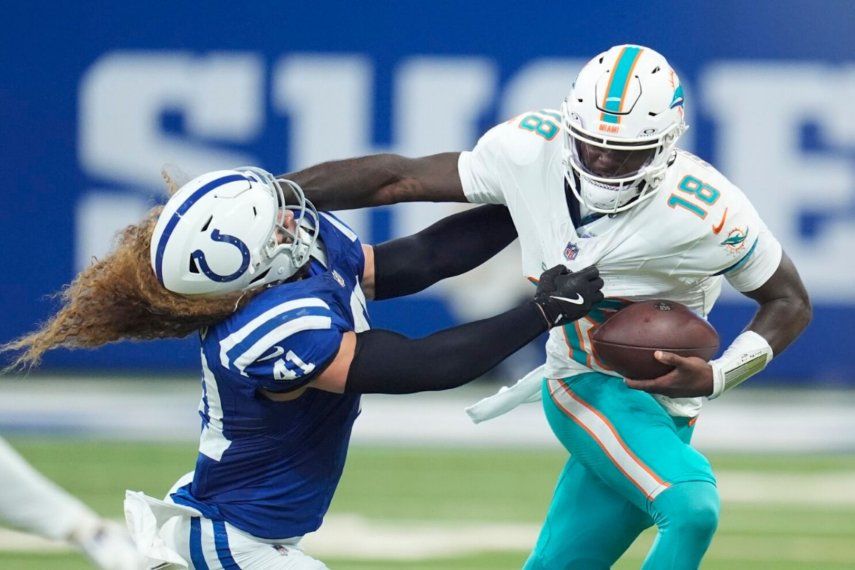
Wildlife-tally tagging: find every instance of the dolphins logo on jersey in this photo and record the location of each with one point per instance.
(735, 240)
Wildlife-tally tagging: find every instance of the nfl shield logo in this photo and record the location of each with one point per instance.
(571, 251)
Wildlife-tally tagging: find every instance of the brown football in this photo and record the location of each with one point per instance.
(626, 341)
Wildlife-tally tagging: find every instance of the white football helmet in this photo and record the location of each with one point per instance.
(622, 119)
(225, 231)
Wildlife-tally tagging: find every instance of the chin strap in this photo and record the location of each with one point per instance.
(748, 355)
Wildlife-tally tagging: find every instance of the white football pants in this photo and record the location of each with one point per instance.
(182, 537)
(31, 502)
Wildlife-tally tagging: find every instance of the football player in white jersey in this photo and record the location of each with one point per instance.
(601, 181)
(31, 502)
(276, 293)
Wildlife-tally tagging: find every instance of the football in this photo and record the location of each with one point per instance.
(626, 342)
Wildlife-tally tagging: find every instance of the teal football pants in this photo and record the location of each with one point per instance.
(631, 466)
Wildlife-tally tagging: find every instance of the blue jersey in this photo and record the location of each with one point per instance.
(271, 468)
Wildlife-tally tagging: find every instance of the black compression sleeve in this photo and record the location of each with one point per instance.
(389, 363)
(452, 246)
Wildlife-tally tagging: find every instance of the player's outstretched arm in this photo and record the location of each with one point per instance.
(380, 179)
(783, 313)
(450, 247)
(385, 362)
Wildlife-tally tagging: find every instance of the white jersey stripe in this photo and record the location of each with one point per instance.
(607, 438)
(212, 442)
(308, 322)
(340, 226)
(238, 336)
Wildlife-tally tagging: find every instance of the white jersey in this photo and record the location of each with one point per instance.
(677, 245)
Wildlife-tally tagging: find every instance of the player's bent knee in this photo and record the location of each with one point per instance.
(688, 508)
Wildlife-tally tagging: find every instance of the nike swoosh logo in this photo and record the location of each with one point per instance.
(717, 229)
(277, 351)
(577, 301)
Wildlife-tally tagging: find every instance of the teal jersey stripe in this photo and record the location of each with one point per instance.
(599, 313)
(620, 82)
(742, 261)
(575, 344)
(613, 304)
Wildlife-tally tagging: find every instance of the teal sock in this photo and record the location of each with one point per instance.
(687, 517)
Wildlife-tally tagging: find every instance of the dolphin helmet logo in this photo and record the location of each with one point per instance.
(677, 99)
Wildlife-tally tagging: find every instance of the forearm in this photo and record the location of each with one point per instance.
(389, 363)
(450, 247)
(380, 179)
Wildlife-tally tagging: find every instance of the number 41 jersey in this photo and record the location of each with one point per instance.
(271, 468)
(679, 244)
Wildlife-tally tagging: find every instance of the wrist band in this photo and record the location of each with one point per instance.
(746, 356)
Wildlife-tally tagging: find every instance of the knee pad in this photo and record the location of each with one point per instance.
(692, 506)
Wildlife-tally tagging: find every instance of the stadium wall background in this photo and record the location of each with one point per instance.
(93, 100)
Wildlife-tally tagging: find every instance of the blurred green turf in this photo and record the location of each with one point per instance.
(463, 485)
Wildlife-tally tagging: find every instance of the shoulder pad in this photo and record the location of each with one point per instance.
(528, 137)
(254, 334)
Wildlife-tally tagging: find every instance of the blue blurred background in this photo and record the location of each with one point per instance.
(95, 98)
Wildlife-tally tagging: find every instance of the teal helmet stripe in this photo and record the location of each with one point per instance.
(677, 100)
(619, 83)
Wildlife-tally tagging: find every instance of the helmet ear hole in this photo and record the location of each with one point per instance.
(208, 223)
(193, 267)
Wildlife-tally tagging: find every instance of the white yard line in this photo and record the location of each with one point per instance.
(825, 490)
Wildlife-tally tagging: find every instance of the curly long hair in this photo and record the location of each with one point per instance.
(120, 298)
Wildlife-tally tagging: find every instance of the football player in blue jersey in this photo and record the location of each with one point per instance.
(276, 291)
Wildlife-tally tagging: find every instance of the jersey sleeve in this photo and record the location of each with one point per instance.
(508, 156)
(304, 356)
(745, 251)
(726, 233)
(757, 265)
(479, 169)
(286, 347)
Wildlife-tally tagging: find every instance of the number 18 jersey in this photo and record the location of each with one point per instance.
(678, 245)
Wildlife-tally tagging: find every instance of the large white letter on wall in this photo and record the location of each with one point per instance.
(122, 142)
(762, 112)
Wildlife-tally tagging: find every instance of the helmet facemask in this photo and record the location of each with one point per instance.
(289, 245)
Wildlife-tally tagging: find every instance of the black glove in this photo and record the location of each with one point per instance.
(564, 296)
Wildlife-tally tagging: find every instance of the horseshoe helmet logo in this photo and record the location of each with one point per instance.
(199, 257)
